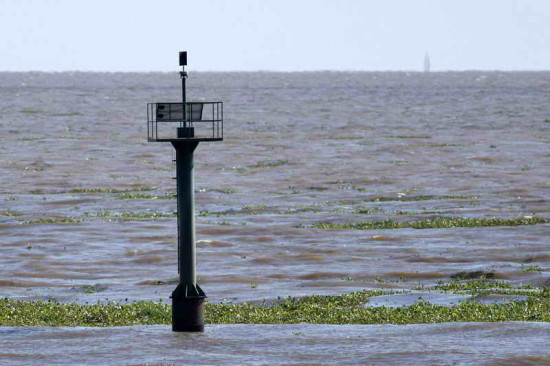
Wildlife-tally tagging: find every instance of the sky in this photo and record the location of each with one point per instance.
(274, 35)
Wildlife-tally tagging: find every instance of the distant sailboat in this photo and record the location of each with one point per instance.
(427, 64)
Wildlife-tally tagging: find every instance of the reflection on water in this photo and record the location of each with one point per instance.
(86, 212)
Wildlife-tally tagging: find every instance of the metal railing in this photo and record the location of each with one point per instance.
(205, 118)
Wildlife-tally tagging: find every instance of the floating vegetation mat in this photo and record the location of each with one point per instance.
(108, 190)
(128, 215)
(406, 198)
(146, 196)
(269, 164)
(438, 223)
(9, 213)
(85, 190)
(54, 220)
(343, 309)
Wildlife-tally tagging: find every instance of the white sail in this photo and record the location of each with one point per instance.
(427, 64)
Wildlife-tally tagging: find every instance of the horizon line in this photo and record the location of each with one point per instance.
(276, 71)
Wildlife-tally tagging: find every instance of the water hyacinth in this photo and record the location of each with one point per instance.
(342, 309)
(438, 223)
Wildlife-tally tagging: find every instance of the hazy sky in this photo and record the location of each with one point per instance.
(139, 35)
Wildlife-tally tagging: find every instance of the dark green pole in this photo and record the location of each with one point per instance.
(188, 298)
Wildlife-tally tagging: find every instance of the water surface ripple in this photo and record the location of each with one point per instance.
(303, 344)
(86, 212)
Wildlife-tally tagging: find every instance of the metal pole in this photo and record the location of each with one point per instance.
(188, 298)
(186, 212)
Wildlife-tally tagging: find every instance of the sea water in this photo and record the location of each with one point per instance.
(80, 186)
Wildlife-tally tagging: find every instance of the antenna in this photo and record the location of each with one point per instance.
(183, 76)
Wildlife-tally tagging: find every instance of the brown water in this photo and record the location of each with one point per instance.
(299, 344)
(300, 148)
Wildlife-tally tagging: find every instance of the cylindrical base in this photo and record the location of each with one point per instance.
(188, 309)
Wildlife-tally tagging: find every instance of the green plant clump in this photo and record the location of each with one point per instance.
(270, 163)
(130, 196)
(532, 268)
(332, 310)
(131, 215)
(487, 286)
(434, 145)
(87, 190)
(438, 223)
(18, 313)
(368, 210)
(10, 213)
(254, 207)
(54, 220)
(344, 309)
(464, 275)
(483, 286)
(409, 137)
(108, 190)
(420, 198)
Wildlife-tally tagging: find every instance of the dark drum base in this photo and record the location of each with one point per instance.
(187, 310)
(188, 328)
